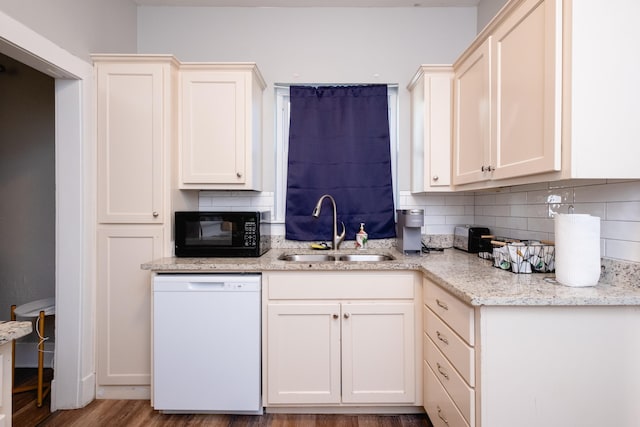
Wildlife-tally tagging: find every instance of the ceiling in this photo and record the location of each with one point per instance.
(311, 3)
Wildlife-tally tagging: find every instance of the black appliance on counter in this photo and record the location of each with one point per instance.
(220, 234)
(470, 238)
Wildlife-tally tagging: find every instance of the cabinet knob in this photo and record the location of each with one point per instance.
(335, 316)
(436, 177)
(346, 315)
(155, 214)
(486, 168)
(238, 174)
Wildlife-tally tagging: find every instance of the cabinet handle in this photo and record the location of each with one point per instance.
(442, 338)
(335, 316)
(155, 214)
(238, 174)
(436, 177)
(442, 371)
(346, 315)
(442, 304)
(486, 168)
(444, 420)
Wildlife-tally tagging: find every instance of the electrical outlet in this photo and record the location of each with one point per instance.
(554, 198)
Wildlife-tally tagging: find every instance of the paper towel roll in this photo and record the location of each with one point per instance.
(577, 249)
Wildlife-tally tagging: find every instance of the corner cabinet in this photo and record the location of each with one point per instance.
(529, 366)
(340, 339)
(431, 111)
(136, 124)
(220, 126)
(507, 92)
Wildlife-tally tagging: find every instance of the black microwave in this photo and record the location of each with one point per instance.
(220, 234)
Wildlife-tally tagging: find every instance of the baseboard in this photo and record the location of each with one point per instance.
(27, 354)
(124, 392)
(389, 410)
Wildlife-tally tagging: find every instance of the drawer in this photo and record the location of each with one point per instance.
(458, 352)
(459, 391)
(455, 313)
(340, 285)
(439, 406)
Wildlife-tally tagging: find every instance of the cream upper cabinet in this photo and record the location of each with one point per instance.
(335, 338)
(132, 135)
(220, 126)
(472, 116)
(431, 116)
(525, 91)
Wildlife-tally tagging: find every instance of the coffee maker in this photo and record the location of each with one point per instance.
(409, 240)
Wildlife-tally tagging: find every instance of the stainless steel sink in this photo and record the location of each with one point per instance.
(365, 257)
(307, 257)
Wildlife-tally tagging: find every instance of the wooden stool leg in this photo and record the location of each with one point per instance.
(13, 350)
(40, 358)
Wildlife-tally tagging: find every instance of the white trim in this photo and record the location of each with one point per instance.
(74, 349)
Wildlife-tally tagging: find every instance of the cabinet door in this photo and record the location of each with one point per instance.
(472, 115)
(526, 130)
(378, 356)
(130, 142)
(213, 122)
(303, 351)
(123, 323)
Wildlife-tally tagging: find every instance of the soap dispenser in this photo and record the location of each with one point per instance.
(361, 237)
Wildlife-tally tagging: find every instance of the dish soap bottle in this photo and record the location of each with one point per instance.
(361, 237)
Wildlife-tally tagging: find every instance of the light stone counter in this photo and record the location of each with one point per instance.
(13, 330)
(472, 279)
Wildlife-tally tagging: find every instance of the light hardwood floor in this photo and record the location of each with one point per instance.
(139, 413)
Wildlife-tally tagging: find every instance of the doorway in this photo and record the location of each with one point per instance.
(74, 382)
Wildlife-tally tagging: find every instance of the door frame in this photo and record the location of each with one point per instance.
(74, 362)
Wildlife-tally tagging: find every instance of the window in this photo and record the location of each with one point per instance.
(282, 148)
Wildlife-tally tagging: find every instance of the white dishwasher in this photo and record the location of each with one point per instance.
(206, 343)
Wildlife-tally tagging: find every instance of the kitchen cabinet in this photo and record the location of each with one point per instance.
(5, 385)
(336, 338)
(528, 366)
(137, 193)
(221, 126)
(505, 128)
(431, 129)
(525, 106)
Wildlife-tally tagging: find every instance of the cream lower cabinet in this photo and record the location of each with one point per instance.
(329, 340)
(5, 385)
(123, 325)
(529, 366)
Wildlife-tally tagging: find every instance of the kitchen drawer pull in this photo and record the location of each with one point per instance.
(346, 315)
(442, 304)
(442, 416)
(442, 338)
(335, 316)
(442, 371)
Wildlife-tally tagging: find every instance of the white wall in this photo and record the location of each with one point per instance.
(314, 45)
(487, 9)
(79, 26)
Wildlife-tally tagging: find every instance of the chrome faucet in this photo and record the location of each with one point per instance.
(337, 239)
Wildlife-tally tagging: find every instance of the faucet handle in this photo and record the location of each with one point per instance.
(339, 238)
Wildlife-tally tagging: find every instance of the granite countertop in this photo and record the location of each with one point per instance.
(13, 330)
(469, 277)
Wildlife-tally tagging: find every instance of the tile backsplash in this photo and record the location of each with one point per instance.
(522, 212)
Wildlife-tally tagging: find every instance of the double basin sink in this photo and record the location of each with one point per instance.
(336, 257)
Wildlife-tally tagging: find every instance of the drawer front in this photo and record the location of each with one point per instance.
(455, 313)
(340, 285)
(458, 352)
(459, 391)
(441, 410)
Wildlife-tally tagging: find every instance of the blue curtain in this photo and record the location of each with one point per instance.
(339, 145)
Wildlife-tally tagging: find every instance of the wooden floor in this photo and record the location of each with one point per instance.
(138, 413)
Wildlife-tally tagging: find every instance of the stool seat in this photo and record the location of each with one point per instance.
(33, 308)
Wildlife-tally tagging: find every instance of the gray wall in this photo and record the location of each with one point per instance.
(79, 26)
(314, 45)
(487, 9)
(27, 185)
